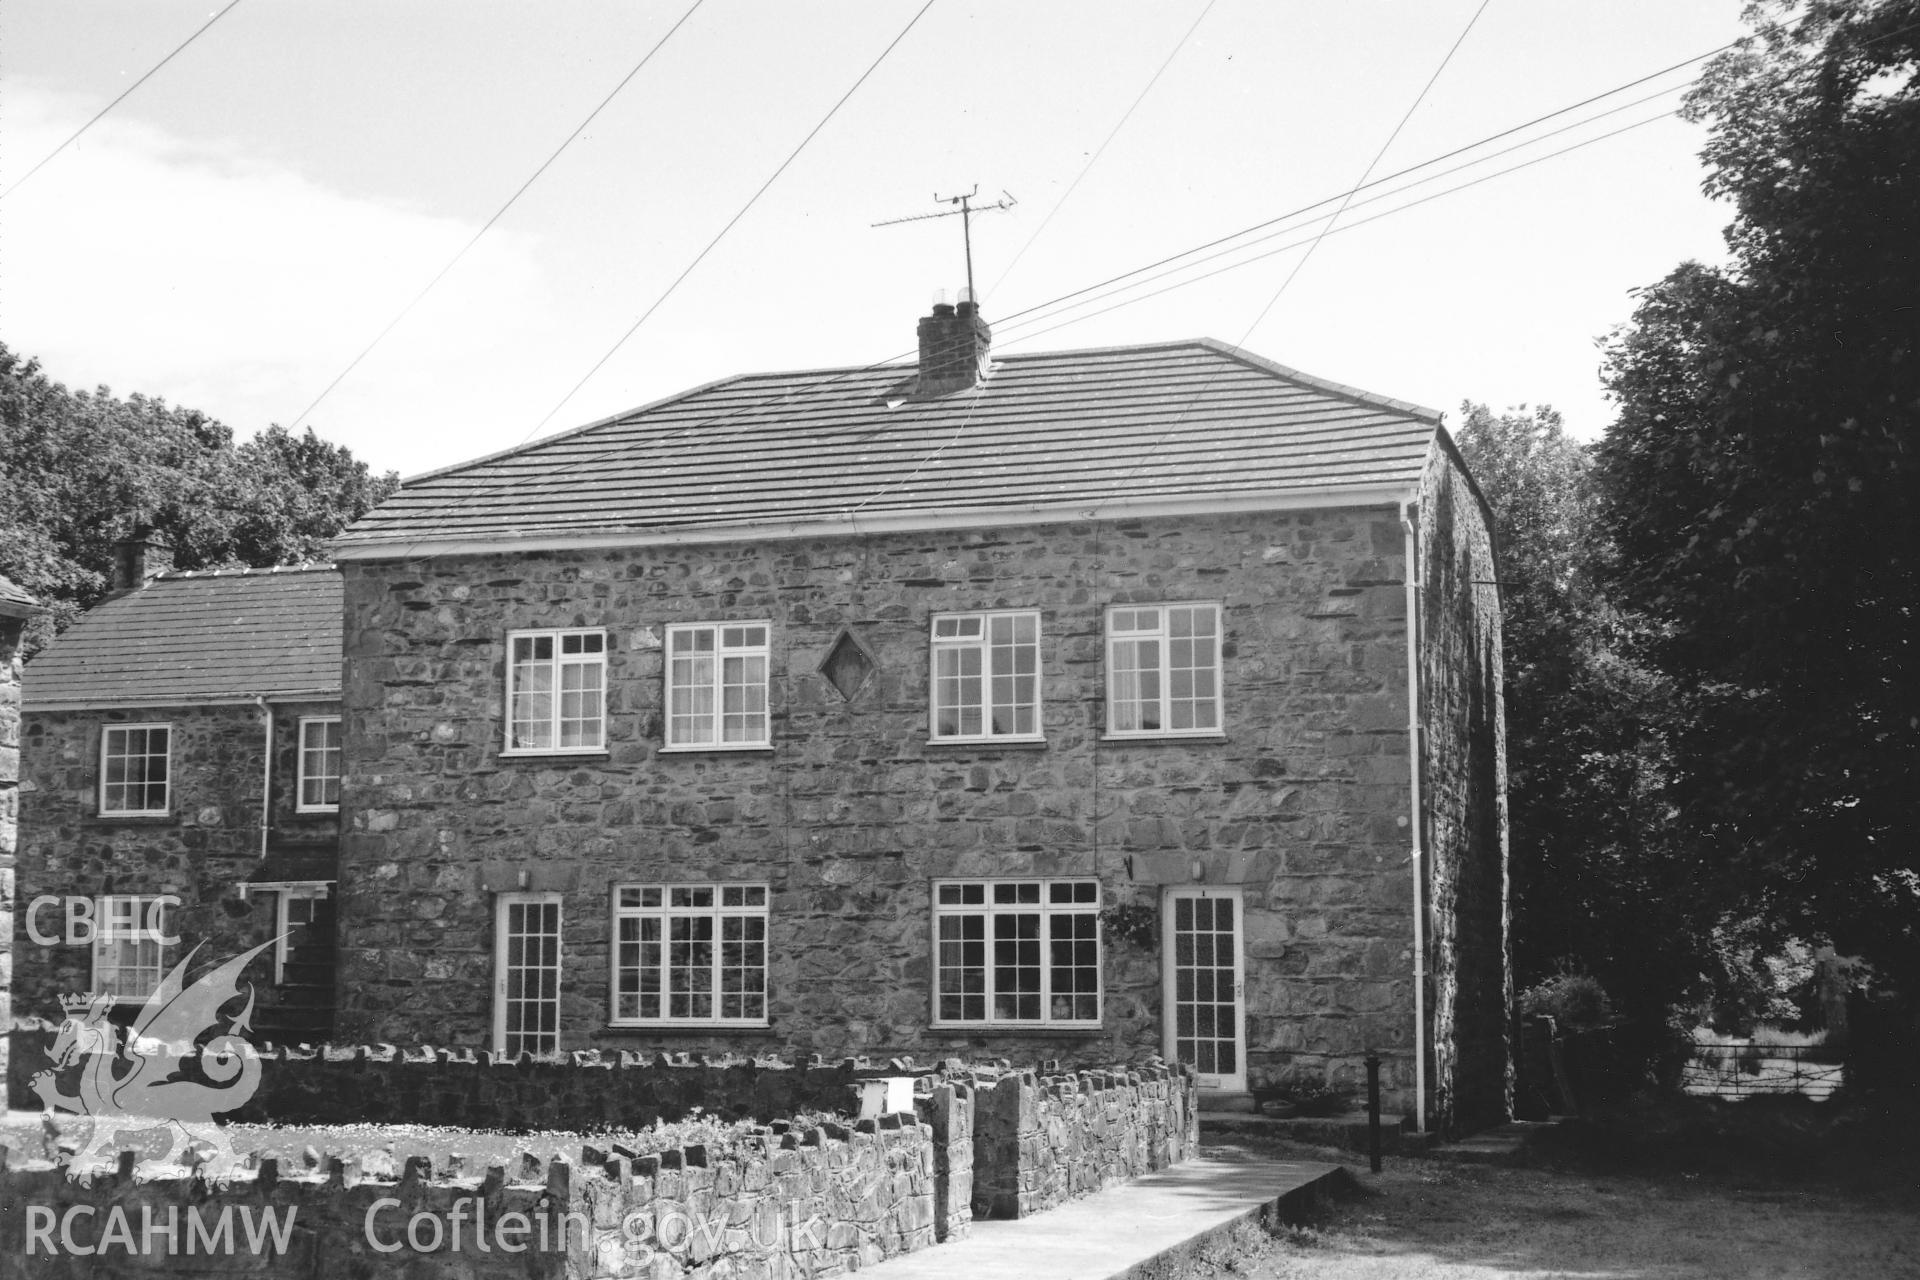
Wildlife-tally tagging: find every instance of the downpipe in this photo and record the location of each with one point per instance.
(1416, 861)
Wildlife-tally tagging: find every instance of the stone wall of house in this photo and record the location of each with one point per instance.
(1301, 802)
(791, 1201)
(201, 852)
(12, 625)
(1040, 1141)
(1465, 792)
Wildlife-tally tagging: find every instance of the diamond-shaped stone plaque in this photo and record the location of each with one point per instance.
(847, 666)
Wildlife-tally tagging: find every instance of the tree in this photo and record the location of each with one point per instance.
(1598, 887)
(1759, 484)
(77, 469)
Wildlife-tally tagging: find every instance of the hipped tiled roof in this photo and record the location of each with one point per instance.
(1183, 420)
(199, 637)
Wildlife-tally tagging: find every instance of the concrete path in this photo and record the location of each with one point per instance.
(1139, 1230)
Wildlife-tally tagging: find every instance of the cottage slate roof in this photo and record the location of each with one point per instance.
(186, 638)
(1179, 420)
(15, 603)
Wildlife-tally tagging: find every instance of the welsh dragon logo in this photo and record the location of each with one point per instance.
(125, 1089)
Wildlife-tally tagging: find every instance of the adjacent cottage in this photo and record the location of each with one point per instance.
(1075, 705)
(180, 787)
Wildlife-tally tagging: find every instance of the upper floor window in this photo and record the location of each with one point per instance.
(717, 685)
(1016, 951)
(1163, 669)
(132, 943)
(133, 768)
(319, 780)
(556, 691)
(986, 675)
(690, 953)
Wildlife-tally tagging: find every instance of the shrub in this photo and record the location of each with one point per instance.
(1576, 1001)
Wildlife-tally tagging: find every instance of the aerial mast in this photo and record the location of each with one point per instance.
(966, 209)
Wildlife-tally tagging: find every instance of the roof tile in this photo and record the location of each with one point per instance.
(198, 637)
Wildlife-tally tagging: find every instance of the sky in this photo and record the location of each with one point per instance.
(245, 223)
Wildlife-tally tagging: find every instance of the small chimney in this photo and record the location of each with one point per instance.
(139, 558)
(953, 346)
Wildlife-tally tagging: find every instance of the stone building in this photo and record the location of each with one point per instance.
(1071, 705)
(180, 787)
(16, 608)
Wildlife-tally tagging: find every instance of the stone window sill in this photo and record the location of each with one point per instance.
(682, 1029)
(1004, 1030)
(132, 820)
(1160, 739)
(987, 744)
(548, 757)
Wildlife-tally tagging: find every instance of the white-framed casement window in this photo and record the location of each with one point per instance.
(133, 944)
(717, 686)
(526, 969)
(986, 676)
(1016, 951)
(1163, 670)
(687, 954)
(319, 767)
(133, 769)
(556, 691)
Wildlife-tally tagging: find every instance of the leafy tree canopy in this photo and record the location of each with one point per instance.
(1759, 484)
(78, 469)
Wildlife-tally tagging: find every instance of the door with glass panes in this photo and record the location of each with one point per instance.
(1205, 988)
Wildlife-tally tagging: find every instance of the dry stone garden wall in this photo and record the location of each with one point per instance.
(782, 1203)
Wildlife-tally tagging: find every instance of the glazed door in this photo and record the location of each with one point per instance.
(1205, 988)
(526, 991)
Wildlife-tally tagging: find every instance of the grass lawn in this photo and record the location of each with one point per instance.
(1595, 1206)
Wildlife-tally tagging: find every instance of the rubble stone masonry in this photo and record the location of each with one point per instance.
(1302, 801)
(200, 851)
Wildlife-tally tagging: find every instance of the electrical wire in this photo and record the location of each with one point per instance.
(1102, 150)
(844, 375)
(1347, 199)
(177, 49)
(732, 222)
(497, 215)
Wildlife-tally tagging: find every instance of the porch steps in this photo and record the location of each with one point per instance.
(1148, 1229)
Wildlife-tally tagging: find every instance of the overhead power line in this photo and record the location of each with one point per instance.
(122, 98)
(1102, 150)
(1373, 164)
(498, 214)
(773, 402)
(733, 221)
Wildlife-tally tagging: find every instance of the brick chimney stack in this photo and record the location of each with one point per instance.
(953, 346)
(139, 558)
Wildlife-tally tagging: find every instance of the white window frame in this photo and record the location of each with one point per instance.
(558, 664)
(285, 894)
(664, 911)
(502, 908)
(986, 649)
(302, 772)
(1085, 888)
(719, 655)
(1164, 672)
(139, 920)
(107, 733)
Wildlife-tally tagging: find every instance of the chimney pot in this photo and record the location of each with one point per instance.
(139, 558)
(953, 347)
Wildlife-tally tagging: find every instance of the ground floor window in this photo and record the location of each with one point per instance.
(133, 944)
(526, 1007)
(1016, 951)
(690, 953)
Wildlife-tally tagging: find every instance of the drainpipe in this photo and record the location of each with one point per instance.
(266, 776)
(1415, 859)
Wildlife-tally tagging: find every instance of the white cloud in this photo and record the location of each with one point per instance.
(242, 287)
